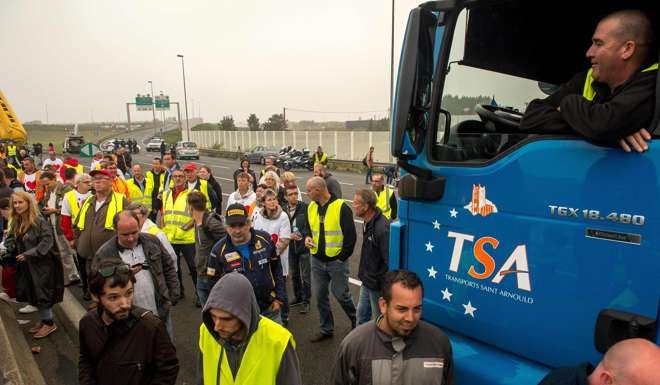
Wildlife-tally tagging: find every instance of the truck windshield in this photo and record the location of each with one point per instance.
(484, 107)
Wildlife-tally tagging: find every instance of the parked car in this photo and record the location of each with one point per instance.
(154, 144)
(73, 144)
(260, 153)
(187, 150)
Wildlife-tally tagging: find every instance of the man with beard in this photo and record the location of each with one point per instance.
(121, 343)
(397, 348)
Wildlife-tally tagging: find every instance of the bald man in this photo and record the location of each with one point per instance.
(331, 244)
(634, 361)
(614, 100)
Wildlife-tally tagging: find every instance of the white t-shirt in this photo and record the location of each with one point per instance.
(144, 293)
(245, 200)
(66, 207)
(279, 226)
(30, 182)
(57, 163)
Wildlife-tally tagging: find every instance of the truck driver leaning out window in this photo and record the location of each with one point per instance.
(614, 100)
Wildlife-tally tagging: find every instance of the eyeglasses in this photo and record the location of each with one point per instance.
(109, 271)
(178, 176)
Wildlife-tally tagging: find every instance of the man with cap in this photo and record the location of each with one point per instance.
(253, 254)
(201, 185)
(94, 224)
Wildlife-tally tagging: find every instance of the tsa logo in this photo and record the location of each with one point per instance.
(479, 204)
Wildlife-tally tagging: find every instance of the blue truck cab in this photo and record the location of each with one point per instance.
(536, 250)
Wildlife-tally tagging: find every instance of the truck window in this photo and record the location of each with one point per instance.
(484, 108)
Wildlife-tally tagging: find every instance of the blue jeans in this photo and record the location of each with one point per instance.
(367, 178)
(273, 316)
(301, 276)
(367, 308)
(331, 275)
(203, 289)
(46, 314)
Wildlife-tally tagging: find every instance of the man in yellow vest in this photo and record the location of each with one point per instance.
(11, 154)
(331, 244)
(140, 188)
(157, 175)
(385, 198)
(320, 157)
(239, 346)
(201, 185)
(178, 225)
(614, 100)
(94, 224)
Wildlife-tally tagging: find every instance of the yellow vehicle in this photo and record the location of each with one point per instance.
(10, 127)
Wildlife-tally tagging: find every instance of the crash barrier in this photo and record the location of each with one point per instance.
(333, 164)
(344, 145)
(17, 366)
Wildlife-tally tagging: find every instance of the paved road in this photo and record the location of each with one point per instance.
(317, 360)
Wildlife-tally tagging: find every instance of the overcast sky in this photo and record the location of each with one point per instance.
(87, 58)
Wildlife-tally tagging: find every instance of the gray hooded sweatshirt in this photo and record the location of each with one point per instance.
(234, 294)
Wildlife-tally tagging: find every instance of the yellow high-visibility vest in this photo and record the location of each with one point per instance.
(322, 160)
(115, 205)
(204, 189)
(71, 197)
(334, 237)
(11, 150)
(260, 363)
(137, 195)
(383, 201)
(176, 215)
(589, 93)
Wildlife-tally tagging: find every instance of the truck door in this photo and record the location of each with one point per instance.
(524, 242)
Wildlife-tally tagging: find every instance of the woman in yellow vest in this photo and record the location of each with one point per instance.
(237, 345)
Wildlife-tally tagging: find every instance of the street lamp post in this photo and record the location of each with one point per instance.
(153, 106)
(185, 97)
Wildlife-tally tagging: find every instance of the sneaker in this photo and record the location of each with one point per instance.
(45, 331)
(304, 309)
(35, 328)
(295, 303)
(320, 337)
(27, 309)
(5, 297)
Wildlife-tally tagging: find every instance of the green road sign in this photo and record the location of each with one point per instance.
(162, 103)
(144, 102)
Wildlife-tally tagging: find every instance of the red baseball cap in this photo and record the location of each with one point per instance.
(102, 171)
(190, 167)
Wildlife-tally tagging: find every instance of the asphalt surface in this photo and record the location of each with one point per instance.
(317, 359)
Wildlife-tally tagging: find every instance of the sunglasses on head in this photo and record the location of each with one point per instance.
(109, 271)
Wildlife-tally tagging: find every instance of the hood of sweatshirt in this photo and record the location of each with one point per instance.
(234, 294)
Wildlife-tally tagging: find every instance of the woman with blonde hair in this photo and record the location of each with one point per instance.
(288, 180)
(39, 274)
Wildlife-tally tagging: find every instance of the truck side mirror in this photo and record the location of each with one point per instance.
(414, 85)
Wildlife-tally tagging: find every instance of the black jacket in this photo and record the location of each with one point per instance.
(133, 351)
(569, 376)
(299, 220)
(40, 278)
(609, 117)
(218, 193)
(161, 268)
(375, 254)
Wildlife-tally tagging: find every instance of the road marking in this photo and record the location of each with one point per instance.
(347, 184)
